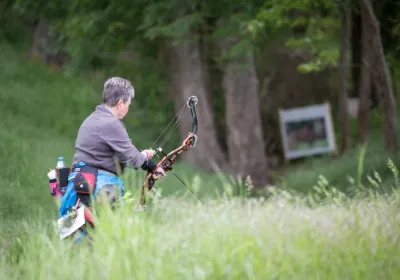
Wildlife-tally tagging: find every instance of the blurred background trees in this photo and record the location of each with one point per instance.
(243, 59)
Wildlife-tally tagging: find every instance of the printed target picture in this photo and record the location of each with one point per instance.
(307, 131)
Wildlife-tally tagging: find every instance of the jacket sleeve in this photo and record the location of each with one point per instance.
(117, 138)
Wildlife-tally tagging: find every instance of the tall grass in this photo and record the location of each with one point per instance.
(322, 235)
(343, 171)
(41, 111)
(282, 237)
(334, 219)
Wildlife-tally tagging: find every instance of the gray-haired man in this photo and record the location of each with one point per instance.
(103, 143)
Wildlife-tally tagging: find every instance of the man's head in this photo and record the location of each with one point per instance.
(117, 95)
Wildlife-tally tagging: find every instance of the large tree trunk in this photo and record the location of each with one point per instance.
(245, 136)
(343, 95)
(187, 78)
(356, 30)
(381, 76)
(365, 86)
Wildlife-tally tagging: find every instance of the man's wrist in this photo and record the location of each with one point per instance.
(145, 154)
(149, 165)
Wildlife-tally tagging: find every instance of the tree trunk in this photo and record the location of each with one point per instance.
(365, 89)
(245, 136)
(356, 45)
(4, 8)
(381, 76)
(364, 101)
(40, 40)
(343, 95)
(44, 46)
(187, 78)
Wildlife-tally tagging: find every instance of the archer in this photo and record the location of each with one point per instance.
(103, 148)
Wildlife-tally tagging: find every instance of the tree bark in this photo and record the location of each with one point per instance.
(44, 46)
(365, 86)
(381, 76)
(364, 101)
(245, 135)
(40, 40)
(343, 95)
(187, 78)
(356, 46)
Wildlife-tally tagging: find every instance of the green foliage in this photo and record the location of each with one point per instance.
(170, 19)
(232, 36)
(88, 28)
(313, 25)
(317, 219)
(350, 171)
(179, 237)
(395, 172)
(41, 111)
(323, 51)
(225, 238)
(14, 32)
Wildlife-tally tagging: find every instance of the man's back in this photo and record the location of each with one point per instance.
(102, 141)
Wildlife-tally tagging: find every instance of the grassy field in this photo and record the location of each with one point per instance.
(40, 113)
(232, 238)
(337, 218)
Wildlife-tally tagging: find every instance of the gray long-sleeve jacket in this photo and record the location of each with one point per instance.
(102, 139)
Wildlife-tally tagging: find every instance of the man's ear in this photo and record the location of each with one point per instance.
(120, 102)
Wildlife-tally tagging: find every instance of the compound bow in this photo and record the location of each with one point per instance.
(169, 159)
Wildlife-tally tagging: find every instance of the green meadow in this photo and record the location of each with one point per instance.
(323, 218)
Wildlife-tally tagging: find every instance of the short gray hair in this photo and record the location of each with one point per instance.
(115, 89)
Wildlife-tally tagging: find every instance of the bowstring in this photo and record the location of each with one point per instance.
(175, 123)
(169, 134)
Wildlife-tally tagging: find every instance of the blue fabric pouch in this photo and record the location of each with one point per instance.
(103, 178)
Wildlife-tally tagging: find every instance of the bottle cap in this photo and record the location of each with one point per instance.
(60, 158)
